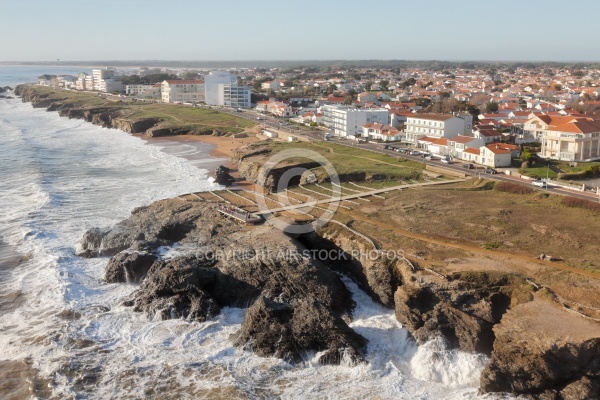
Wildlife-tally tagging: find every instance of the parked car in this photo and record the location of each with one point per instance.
(468, 166)
(414, 153)
(491, 171)
(539, 183)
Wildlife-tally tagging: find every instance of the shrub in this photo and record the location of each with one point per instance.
(514, 188)
(492, 245)
(581, 203)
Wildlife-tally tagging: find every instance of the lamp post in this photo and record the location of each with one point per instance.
(547, 174)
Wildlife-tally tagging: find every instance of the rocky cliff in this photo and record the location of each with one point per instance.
(544, 352)
(296, 304)
(114, 116)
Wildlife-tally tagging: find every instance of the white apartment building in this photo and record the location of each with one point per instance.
(144, 91)
(221, 89)
(182, 91)
(436, 126)
(99, 78)
(84, 82)
(213, 94)
(349, 121)
(232, 95)
(108, 86)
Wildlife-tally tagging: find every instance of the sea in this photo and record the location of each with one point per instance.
(63, 334)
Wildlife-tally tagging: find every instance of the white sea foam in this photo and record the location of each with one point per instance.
(61, 177)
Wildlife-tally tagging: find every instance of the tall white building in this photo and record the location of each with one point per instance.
(349, 121)
(221, 89)
(104, 80)
(180, 91)
(212, 93)
(232, 95)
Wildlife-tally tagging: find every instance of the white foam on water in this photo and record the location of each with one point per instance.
(64, 177)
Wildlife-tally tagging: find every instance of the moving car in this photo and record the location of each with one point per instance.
(445, 161)
(539, 183)
(491, 171)
(414, 153)
(468, 166)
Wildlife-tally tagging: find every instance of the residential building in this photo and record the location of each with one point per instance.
(221, 89)
(213, 94)
(571, 139)
(144, 91)
(103, 80)
(182, 91)
(232, 95)
(458, 144)
(84, 82)
(348, 121)
(488, 135)
(108, 86)
(436, 125)
(494, 155)
(381, 132)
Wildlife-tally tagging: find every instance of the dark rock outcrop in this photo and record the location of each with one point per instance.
(461, 311)
(229, 265)
(375, 274)
(130, 267)
(288, 330)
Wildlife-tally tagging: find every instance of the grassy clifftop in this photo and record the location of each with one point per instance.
(166, 117)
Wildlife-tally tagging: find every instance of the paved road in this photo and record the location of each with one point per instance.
(457, 166)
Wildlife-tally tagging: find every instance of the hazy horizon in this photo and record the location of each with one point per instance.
(130, 30)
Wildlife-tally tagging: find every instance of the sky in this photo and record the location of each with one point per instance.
(85, 30)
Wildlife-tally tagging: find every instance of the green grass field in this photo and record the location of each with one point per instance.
(347, 160)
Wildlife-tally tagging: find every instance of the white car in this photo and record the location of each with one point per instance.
(445, 161)
(539, 183)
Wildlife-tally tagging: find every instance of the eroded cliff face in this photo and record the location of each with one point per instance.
(107, 117)
(545, 352)
(537, 348)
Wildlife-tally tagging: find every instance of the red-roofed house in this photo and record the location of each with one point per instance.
(381, 132)
(487, 135)
(571, 139)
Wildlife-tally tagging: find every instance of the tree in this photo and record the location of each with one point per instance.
(384, 84)
(348, 99)
(491, 107)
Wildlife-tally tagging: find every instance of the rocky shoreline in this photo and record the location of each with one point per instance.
(297, 304)
(107, 117)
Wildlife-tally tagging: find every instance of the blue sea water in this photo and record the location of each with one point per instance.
(62, 328)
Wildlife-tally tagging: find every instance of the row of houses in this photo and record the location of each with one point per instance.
(217, 88)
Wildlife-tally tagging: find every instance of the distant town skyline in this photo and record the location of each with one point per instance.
(461, 30)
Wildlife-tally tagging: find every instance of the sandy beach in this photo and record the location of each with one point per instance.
(221, 149)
